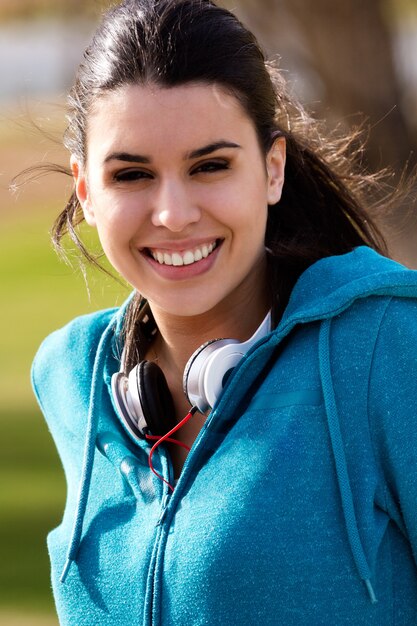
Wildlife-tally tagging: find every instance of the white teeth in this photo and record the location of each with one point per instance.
(177, 259)
(185, 258)
(188, 258)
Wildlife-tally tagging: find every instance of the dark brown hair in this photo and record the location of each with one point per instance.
(325, 206)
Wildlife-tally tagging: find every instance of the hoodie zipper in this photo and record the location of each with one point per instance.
(154, 575)
(169, 502)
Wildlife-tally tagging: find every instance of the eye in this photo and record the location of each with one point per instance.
(209, 167)
(131, 175)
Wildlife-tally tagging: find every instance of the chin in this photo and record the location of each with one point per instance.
(192, 309)
(185, 305)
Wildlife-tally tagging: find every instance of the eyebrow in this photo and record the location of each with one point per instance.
(125, 156)
(211, 147)
(194, 154)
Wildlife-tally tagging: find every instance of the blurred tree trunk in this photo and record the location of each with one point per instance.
(344, 52)
(351, 50)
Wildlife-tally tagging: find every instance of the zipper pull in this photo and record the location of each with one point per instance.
(165, 501)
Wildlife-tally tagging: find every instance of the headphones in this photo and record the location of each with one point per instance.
(143, 400)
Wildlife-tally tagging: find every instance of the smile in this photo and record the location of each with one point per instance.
(187, 257)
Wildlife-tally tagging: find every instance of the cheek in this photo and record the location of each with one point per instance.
(241, 204)
(115, 215)
(250, 212)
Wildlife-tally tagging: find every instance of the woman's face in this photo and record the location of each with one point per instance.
(178, 188)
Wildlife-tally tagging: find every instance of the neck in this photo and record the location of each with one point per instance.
(180, 336)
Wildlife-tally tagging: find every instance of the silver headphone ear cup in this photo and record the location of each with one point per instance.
(208, 367)
(194, 386)
(136, 425)
(218, 369)
(143, 400)
(190, 385)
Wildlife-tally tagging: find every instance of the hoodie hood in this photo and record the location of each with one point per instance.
(326, 289)
(331, 285)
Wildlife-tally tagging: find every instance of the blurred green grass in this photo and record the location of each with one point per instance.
(31, 501)
(42, 294)
(39, 294)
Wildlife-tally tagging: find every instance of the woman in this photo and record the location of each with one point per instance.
(287, 494)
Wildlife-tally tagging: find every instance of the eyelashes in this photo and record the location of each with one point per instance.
(131, 175)
(134, 174)
(211, 167)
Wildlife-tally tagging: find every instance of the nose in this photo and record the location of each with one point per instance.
(173, 207)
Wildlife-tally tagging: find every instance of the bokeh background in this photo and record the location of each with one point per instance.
(348, 61)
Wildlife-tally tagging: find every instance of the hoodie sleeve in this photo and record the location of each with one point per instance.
(393, 412)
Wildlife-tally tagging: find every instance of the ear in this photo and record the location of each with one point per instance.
(81, 190)
(275, 165)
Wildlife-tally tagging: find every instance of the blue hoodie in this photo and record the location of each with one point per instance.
(298, 501)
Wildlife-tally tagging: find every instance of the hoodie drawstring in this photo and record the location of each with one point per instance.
(351, 523)
(97, 393)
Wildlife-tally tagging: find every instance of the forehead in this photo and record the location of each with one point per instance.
(185, 116)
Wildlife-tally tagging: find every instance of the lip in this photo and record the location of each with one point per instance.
(183, 272)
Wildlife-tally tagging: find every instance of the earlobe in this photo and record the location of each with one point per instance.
(276, 169)
(81, 190)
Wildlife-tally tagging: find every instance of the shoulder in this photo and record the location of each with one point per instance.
(62, 367)
(372, 350)
(75, 340)
(385, 326)
(392, 376)
(392, 406)
(396, 345)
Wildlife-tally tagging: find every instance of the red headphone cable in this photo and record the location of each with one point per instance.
(167, 437)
